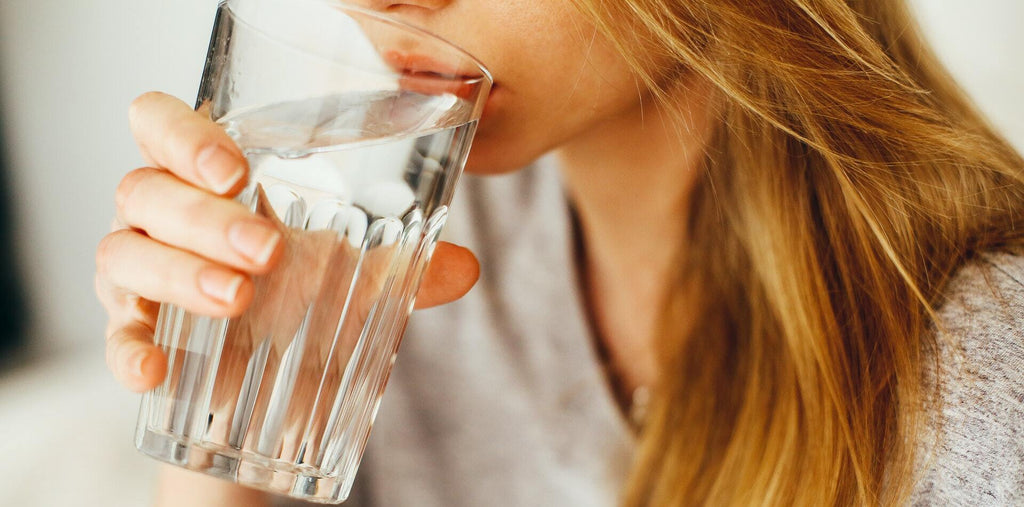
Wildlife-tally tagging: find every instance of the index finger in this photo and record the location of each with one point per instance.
(173, 136)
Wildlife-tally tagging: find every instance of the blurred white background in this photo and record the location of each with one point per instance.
(68, 71)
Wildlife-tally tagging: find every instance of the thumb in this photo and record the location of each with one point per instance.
(453, 270)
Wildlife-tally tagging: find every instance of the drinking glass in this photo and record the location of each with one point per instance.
(356, 128)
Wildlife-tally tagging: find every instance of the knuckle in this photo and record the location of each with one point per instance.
(116, 224)
(104, 291)
(205, 215)
(103, 252)
(185, 138)
(126, 190)
(137, 108)
(99, 286)
(116, 338)
(176, 279)
(199, 211)
(172, 278)
(107, 251)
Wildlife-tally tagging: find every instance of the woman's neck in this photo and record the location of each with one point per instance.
(629, 179)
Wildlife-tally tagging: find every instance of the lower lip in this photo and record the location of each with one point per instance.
(418, 63)
(434, 85)
(428, 84)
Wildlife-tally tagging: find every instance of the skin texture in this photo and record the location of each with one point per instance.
(559, 87)
(555, 78)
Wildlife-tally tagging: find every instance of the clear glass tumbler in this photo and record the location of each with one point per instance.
(356, 128)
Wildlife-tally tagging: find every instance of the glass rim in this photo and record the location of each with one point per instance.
(485, 73)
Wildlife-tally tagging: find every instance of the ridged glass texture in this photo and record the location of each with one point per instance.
(283, 397)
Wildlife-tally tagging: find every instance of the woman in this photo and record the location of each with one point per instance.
(784, 222)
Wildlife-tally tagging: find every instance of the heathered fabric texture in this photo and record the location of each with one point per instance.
(978, 455)
(500, 399)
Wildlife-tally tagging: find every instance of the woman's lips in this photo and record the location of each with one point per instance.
(422, 64)
(423, 74)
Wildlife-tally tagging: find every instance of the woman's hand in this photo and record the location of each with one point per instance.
(179, 238)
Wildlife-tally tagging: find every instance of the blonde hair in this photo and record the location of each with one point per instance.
(847, 179)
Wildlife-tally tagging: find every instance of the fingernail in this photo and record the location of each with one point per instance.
(219, 168)
(254, 240)
(220, 285)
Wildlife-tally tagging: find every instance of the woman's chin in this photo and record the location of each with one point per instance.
(495, 158)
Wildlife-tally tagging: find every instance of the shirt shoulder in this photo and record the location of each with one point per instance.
(985, 300)
(973, 451)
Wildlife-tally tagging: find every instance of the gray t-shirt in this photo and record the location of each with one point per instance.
(974, 451)
(500, 398)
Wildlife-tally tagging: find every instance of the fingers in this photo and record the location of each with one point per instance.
(157, 272)
(124, 307)
(128, 288)
(174, 137)
(452, 272)
(191, 219)
(134, 360)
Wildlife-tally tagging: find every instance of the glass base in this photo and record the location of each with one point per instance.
(297, 481)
